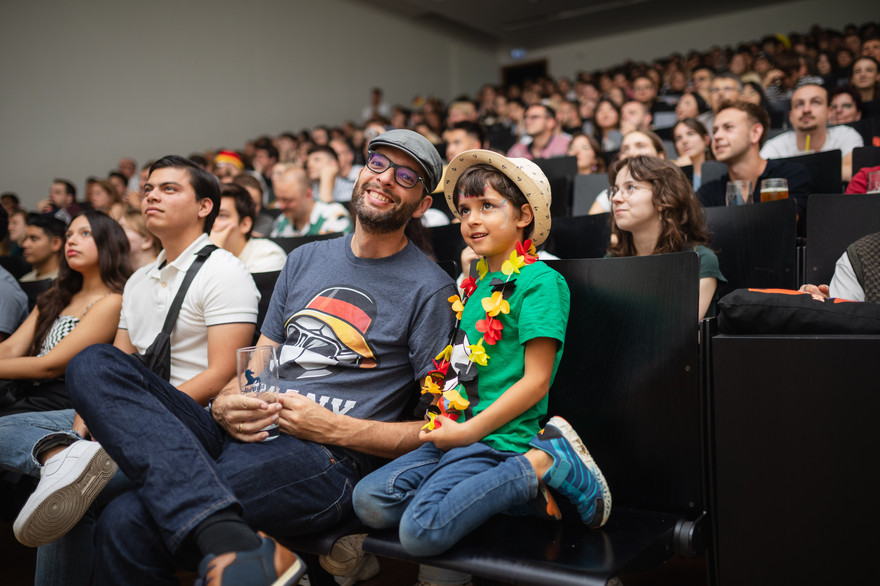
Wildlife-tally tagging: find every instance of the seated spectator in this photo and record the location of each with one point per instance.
(690, 105)
(754, 93)
(461, 136)
(17, 227)
(10, 202)
(43, 242)
(232, 231)
(588, 152)
(569, 117)
(634, 115)
(866, 79)
(859, 183)
(808, 117)
(227, 164)
(328, 184)
(541, 127)
(692, 144)
(345, 155)
(856, 274)
(636, 142)
(104, 197)
(645, 90)
(846, 106)
(13, 308)
(740, 130)
(654, 211)
(725, 87)
(81, 309)
(790, 72)
(263, 224)
(701, 81)
(301, 215)
(606, 125)
(143, 246)
(61, 202)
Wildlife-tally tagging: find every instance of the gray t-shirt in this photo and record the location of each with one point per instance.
(13, 303)
(357, 333)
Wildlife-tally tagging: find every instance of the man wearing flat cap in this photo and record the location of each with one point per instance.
(353, 331)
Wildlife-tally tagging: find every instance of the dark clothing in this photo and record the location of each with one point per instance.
(713, 193)
(864, 256)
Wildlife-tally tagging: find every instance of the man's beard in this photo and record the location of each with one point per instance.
(381, 222)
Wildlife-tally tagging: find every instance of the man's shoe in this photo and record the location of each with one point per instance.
(574, 473)
(69, 482)
(271, 564)
(347, 561)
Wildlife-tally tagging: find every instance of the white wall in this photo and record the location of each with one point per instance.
(85, 83)
(700, 34)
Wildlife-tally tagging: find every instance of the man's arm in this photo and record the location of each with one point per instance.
(223, 340)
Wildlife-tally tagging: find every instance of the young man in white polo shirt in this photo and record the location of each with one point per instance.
(217, 316)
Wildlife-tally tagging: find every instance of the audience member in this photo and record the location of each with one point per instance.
(10, 202)
(540, 125)
(217, 316)
(323, 170)
(143, 246)
(80, 309)
(725, 87)
(635, 142)
(588, 152)
(17, 226)
(345, 155)
(606, 125)
(809, 116)
(61, 203)
(377, 107)
(264, 220)
(856, 273)
(232, 231)
(264, 161)
(103, 197)
(43, 242)
(349, 397)
(634, 115)
(654, 211)
(13, 310)
(690, 105)
(740, 130)
(859, 183)
(692, 144)
(301, 215)
(227, 164)
(846, 105)
(866, 79)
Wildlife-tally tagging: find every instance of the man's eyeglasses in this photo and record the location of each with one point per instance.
(403, 176)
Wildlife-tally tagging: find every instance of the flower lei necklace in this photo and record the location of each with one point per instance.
(450, 403)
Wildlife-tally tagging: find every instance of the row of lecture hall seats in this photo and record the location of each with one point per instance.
(745, 450)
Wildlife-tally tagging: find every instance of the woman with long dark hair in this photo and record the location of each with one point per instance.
(654, 211)
(692, 144)
(81, 309)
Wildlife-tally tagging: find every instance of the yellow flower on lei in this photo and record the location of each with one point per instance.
(431, 387)
(445, 354)
(478, 353)
(482, 267)
(495, 304)
(430, 425)
(513, 264)
(457, 306)
(454, 400)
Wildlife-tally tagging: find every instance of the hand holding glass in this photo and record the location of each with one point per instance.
(257, 370)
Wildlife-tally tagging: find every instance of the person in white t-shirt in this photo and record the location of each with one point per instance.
(232, 231)
(809, 118)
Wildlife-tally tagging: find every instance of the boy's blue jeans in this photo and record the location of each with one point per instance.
(439, 497)
(185, 468)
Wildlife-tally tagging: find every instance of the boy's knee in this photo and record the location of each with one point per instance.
(369, 507)
(418, 540)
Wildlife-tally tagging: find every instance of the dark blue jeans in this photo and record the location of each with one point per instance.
(185, 468)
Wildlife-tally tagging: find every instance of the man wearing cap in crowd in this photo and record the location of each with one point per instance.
(354, 333)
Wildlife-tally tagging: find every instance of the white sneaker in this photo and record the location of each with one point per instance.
(69, 482)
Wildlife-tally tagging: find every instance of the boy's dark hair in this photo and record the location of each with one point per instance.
(474, 180)
(203, 183)
(323, 148)
(68, 187)
(244, 205)
(52, 226)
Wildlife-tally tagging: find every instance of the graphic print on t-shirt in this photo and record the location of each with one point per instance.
(328, 335)
(463, 372)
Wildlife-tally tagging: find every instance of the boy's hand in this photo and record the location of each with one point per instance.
(448, 434)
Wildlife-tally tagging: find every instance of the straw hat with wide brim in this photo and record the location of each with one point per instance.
(525, 174)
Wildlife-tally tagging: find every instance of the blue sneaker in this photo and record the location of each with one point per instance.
(574, 473)
(271, 564)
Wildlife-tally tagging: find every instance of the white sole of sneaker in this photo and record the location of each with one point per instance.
(574, 439)
(291, 575)
(59, 512)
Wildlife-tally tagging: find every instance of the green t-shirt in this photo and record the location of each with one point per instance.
(538, 309)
